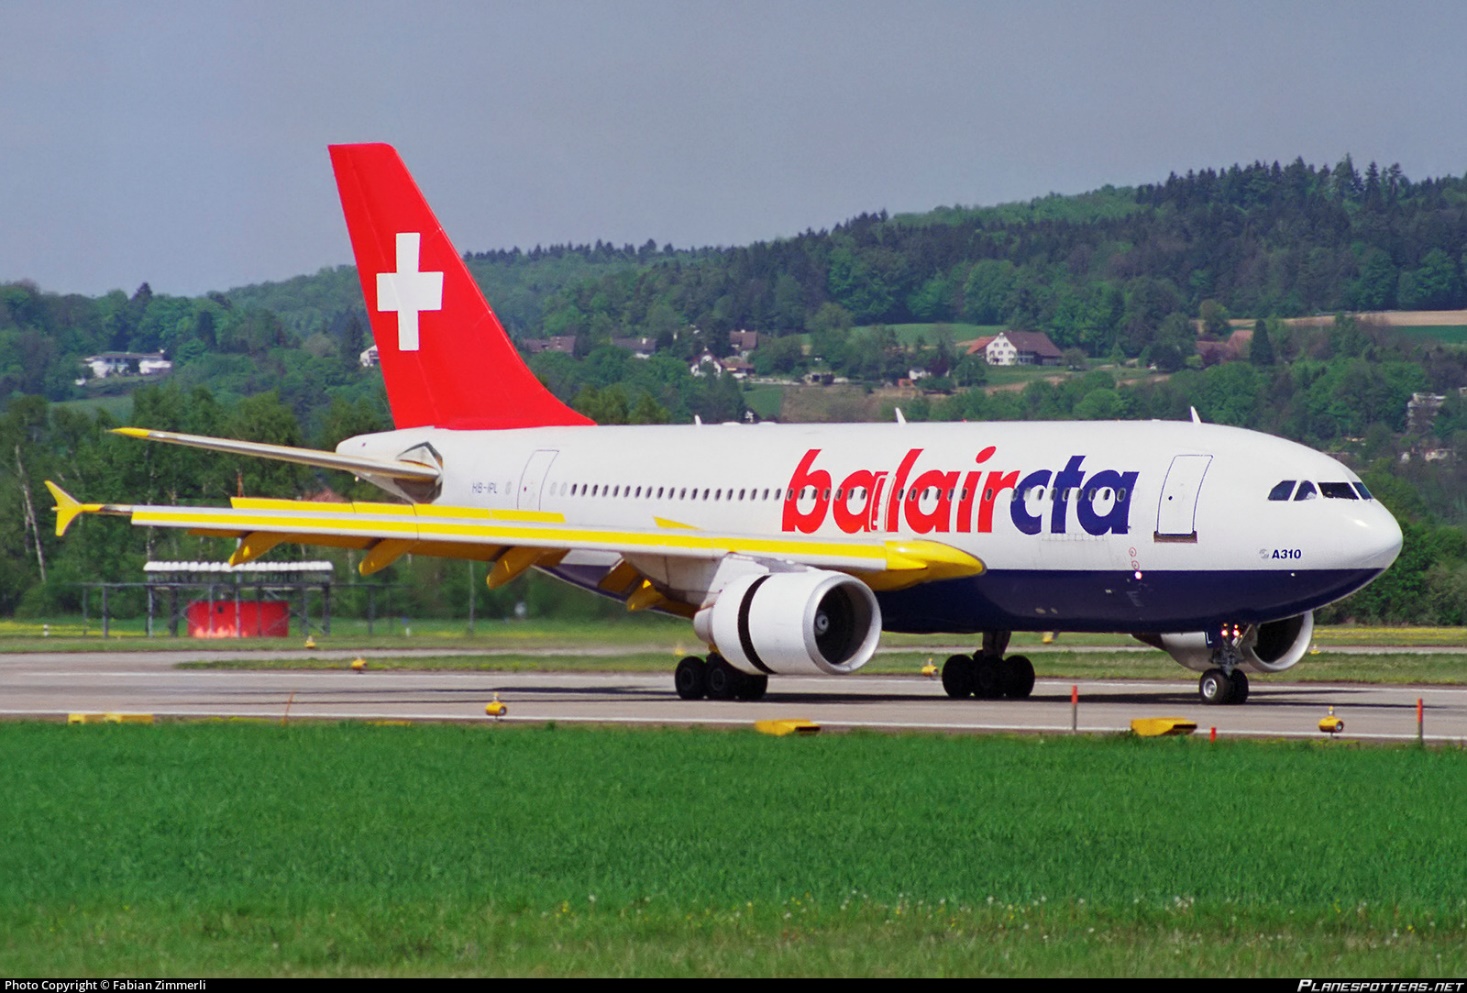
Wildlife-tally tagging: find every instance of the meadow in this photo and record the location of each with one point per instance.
(234, 848)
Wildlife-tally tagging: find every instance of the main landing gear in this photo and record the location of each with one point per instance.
(717, 680)
(987, 674)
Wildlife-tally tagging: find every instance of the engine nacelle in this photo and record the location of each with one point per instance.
(1270, 647)
(793, 622)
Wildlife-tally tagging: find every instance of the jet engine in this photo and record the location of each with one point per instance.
(809, 622)
(1269, 647)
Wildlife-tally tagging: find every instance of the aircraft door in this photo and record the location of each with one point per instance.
(532, 480)
(1176, 516)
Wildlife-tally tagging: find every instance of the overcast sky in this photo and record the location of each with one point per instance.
(184, 143)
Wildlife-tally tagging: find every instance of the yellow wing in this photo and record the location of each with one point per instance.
(515, 540)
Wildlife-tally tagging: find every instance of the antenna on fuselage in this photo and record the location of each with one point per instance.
(1195, 418)
(900, 418)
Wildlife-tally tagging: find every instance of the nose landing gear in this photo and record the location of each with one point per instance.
(1225, 683)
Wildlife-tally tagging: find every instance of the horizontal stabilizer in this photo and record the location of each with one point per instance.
(360, 465)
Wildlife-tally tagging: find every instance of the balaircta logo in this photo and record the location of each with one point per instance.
(946, 500)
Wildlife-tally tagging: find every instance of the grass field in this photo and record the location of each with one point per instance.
(1449, 334)
(651, 643)
(323, 849)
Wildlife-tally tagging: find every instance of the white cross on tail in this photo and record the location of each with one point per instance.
(408, 292)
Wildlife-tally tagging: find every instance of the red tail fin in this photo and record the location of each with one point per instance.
(445, 356)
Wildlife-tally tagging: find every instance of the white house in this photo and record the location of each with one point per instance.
(1021, 348)
(127, 363)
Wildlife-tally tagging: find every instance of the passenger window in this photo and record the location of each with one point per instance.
(1306, 491)
(1338, 491)
(1282, 491)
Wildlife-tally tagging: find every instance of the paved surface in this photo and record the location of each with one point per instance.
(51, 685)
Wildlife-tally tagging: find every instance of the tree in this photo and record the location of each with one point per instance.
(1175, 343)
(781, 356)
(1434, 285)
(1260, 351)
(831, 317)
(1214, 318)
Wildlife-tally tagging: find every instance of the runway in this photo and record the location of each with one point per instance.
(50, 686)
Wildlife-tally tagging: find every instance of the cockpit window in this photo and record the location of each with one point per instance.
(1282, 490)
(1338, 491)
(1364, 493)
(1306, 491)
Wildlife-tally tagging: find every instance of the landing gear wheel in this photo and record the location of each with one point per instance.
(1215, 687)
(1240, 686)
(691, 678)
(723, 679)
(1018, 680)
(957, 677)
(752, 687)
(988, 682)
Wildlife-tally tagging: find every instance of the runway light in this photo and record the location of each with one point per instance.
(496, 709)
(310, 641)
(1331, 725)
(358, 664)
(929, 670)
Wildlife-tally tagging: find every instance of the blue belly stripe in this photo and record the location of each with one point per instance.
(1056, 600)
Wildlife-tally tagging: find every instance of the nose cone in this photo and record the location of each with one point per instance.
(1378, 540)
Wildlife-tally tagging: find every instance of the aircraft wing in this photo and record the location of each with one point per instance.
(515, 540)
(360, 465)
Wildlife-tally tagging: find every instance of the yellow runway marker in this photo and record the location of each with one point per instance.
(1155, 727)
(793, 725)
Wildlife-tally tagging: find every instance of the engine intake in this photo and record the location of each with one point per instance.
(1269, 647)
(811, 622)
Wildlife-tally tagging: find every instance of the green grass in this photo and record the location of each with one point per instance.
(324, 849)
(119, 408)
(926, 334)
(350, 633)
(1011, 375)
(352, 849)
(651, 643)
(765, 400)
(1450, 334)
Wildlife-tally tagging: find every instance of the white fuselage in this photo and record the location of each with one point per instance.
(1123, 526)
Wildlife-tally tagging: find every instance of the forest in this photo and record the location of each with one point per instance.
(1124, 279)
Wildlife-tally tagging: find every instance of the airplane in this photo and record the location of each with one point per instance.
(791, 547)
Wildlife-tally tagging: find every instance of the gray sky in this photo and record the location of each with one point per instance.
(184, 143)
